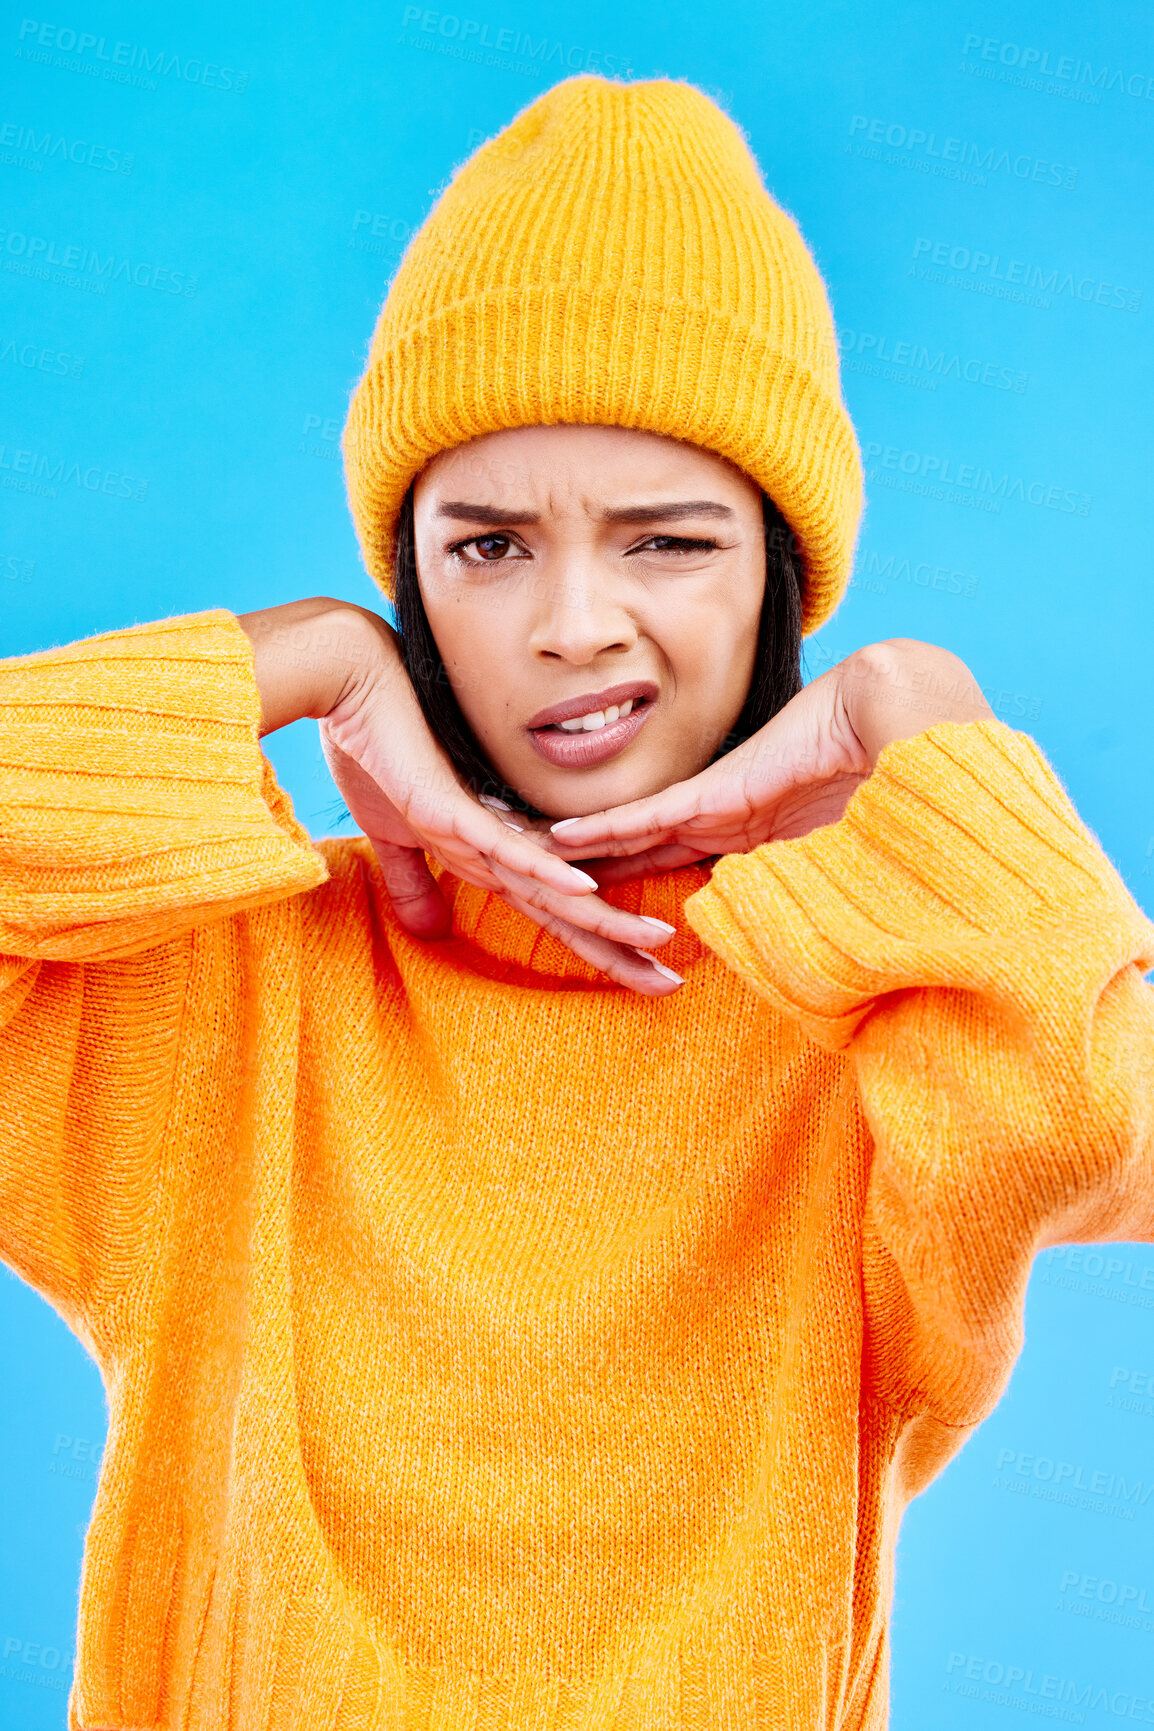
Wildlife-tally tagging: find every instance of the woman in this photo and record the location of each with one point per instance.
(505, 1325)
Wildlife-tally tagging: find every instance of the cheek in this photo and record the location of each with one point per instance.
(714, 661)
(475, 642)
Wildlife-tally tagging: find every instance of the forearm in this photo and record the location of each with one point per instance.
(964, 940)
(308, 656)
(133, 796)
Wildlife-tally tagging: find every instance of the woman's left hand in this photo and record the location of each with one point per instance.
(795, 774)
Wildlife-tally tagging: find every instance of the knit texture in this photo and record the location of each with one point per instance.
(488, 1348)
(612, 257)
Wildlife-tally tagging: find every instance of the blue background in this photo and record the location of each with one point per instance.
(263, 206)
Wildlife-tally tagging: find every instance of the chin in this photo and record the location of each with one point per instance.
(576, 793)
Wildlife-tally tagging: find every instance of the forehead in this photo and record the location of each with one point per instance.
(605, 462)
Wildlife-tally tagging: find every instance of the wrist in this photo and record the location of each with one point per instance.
(309, 655)
(897, 688)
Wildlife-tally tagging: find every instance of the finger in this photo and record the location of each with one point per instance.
(666, 858)
(644, 975)
(449, 821)
(590, 914)
(637, 931)
(465, 834)
(413, 891)
(640, 824)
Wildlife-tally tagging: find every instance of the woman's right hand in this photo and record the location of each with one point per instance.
(342, 665)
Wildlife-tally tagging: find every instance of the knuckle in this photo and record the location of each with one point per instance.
(535, 894)
(402, 894)
(404, 880)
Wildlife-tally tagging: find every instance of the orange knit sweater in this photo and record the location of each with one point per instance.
(487, 1347)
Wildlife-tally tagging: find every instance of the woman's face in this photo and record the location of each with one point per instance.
(569, 570)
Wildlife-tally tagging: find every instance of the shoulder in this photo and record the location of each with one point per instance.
(348, 932)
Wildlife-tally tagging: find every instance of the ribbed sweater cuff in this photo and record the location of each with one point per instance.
(962, 843)
(134, 797)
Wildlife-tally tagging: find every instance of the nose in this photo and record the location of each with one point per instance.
(580, 616)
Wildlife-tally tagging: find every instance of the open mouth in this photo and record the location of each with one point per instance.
(587, 740)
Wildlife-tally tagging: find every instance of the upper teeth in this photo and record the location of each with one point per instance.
(597, 718)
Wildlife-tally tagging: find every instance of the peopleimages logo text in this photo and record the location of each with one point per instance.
(41, 360)
(1107, 1592)
(1009, 1685)
(1035, 277)
(1067, 67)
(920, 358)
(472, 34)
(39, 251)
(127, 57)
(31, 471)
(916, 140)
(943, 472)
(53, 147)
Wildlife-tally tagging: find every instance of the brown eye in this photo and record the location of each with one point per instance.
(495, 549)
(491, 546)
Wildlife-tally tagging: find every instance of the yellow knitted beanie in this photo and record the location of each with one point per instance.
(612, 257)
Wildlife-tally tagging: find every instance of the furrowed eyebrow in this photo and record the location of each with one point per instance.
(493, 515)
(666, 513)
(483, 513)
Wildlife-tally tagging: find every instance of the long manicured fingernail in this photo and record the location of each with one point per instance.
(490, 799)
(556, 826)
(662, 925)
(585, 878)
(518, 827)
(660, 966)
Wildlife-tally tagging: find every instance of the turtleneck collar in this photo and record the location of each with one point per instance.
(527, 953)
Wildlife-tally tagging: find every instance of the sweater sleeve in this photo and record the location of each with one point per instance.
(135, 805)
(962, 939)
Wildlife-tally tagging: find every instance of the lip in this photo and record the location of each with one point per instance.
(583, 750)
(571, 707)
